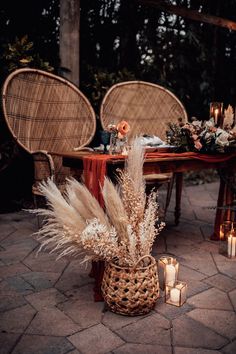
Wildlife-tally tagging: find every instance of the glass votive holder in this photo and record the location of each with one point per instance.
(231, 241)
(176, 295)
(225, 228)
(216, 112)
(168, 269)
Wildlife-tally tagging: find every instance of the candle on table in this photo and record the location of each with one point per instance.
(216, 113)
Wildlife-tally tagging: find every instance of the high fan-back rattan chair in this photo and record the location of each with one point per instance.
(47, 113)
(148, 108)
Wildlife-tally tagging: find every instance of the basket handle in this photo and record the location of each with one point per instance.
(140, 259)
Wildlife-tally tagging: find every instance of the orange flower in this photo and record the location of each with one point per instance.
(123, 128)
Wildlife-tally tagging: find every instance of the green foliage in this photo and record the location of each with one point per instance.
(20, 54)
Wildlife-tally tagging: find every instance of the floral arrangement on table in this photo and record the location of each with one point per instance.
(118, 138)
(203, 136)
(122, 233)
(120, 130)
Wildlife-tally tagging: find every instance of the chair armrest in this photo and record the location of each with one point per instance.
(43, 166)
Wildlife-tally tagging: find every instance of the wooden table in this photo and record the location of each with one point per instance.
(177, 163)
(159, 163)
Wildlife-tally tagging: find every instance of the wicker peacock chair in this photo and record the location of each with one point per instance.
(46, 113)
(148, 108)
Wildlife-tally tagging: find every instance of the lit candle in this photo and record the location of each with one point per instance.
(170, 274)
(216, 114)
(175, 295)
(231, 246)
(222, 233)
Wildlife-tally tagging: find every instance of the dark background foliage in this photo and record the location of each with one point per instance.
(120, 40)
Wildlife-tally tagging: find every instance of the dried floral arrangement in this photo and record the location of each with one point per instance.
(75, 224)
(203, 136)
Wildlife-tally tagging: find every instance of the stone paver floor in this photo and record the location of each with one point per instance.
(47, 307)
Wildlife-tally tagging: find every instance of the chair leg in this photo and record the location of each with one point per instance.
(178, 185)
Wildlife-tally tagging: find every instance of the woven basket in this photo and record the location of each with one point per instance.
(131, 291)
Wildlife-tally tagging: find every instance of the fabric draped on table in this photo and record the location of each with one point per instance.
(95, 170)
(95, 166)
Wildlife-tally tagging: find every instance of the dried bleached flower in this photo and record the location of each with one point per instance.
(125, 231)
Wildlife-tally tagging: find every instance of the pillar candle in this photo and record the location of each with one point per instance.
(175, 295)
(231, 246)
(170, 274)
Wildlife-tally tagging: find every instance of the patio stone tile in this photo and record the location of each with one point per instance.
(46, 298)
(41, 280)
(175, 238)
(142, 349)
(195, 287)
(200, 261)
(44, 262)
(74, 277)
(222, 322)
(232, 296)
(209, 246)
(203, 201)
(207, 231)
(154, 329)
(190, 333)
(20, 285)
(204, 214)
(12, 270)
(16, 320)
(52, 322)
(226, 265)
(83, 294)
(186, 273)
(98, 337)
(179, 350)
(170, 311)
(9, 298)
(17, 252)
(211, 299)
(6, 230)
(86, 314)
(221, 282)
(42, 345)
(230, 348)
(115, 321)
(18, 236)
(8, 302)
(7, 342)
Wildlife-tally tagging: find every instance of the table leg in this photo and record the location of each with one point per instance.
(219, 212)
(178, 186)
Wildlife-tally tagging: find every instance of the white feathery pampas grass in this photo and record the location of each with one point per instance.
(77, 225)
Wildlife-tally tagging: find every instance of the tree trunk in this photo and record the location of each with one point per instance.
(69, 39)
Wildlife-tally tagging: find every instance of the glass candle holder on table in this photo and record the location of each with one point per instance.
(168, 269)
(216, 112)
(225, 228)
(231, 241)
(176, 295)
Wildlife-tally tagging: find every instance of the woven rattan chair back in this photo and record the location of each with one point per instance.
(45, 112)
(145, 106)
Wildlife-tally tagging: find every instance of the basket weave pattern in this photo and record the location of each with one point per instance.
(131, 291)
